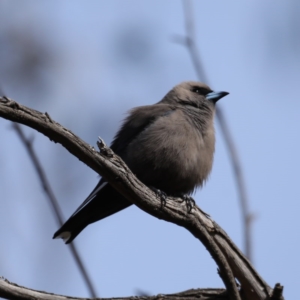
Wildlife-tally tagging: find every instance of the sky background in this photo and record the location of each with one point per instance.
(86, 64)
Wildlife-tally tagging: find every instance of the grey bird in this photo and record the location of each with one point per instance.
(168, 145)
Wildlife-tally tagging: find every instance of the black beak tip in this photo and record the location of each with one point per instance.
(215, 96)
(221, 95)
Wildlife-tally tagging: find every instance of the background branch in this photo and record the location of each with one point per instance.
(189, 40)
(10, 290)
(53, 204)
(231, 262)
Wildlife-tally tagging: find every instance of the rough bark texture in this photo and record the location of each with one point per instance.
(13, 291)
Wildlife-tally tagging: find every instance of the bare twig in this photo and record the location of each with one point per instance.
(231, 262)
(189, 40)
(10, 290)
(53, 203)
(277, 292)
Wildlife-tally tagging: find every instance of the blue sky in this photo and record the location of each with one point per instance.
(105, 57)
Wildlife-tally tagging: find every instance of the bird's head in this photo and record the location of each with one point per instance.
(195, 94)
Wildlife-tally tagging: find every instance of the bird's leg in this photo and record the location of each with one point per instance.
(189, 201)
(162, 195)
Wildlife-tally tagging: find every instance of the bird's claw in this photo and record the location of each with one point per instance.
(189, 201)
(162, 196)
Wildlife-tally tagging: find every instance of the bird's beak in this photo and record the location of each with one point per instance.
(215, 96)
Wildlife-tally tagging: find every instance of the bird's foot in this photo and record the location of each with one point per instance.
(189, 201)
(162, 195)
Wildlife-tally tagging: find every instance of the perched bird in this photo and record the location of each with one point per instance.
(168, 146)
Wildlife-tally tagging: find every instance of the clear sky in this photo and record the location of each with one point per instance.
(86, 64)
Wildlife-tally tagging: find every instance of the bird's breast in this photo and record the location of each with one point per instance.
(172, 155)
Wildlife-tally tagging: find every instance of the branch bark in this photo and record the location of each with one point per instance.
(231, 262)
(11, 290)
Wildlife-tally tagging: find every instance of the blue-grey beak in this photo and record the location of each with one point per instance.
(215, 96)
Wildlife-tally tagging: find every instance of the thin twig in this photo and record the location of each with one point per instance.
(53, 203)
(190, 42)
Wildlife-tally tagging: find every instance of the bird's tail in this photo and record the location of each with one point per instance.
(70, 229)
(101, 203)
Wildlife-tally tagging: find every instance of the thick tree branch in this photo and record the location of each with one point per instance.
(231, 262)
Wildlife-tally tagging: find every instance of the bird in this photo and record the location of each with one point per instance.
(168, 145)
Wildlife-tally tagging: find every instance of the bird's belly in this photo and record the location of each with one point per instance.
(173, 165)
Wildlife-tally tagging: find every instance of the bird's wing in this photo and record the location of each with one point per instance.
(104, 200)
(138, 120)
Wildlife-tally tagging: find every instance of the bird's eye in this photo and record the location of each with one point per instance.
(200, 91)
